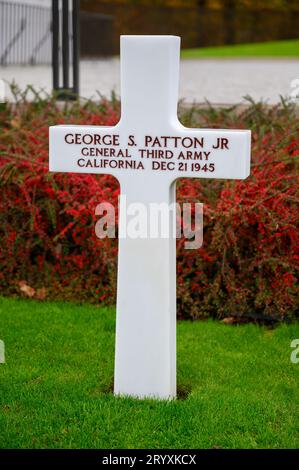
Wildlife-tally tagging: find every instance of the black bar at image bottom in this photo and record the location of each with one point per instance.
(134, 458)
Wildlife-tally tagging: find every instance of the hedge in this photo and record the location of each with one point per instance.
(247, 265)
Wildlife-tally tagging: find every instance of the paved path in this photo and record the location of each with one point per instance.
(219, 81)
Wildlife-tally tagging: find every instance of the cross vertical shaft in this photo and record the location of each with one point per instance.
(145, 355)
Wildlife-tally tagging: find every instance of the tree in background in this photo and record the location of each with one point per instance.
(217, 4)
(200, 22)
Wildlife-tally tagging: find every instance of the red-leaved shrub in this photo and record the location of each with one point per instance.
(247, 264)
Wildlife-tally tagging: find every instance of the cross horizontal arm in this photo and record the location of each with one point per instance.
(175, 152)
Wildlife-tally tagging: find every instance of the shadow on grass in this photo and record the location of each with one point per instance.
(183, 390)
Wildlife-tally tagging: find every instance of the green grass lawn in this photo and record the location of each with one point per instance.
(56, 384)
(262, 49)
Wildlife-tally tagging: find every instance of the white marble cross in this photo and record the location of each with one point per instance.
(147, 151)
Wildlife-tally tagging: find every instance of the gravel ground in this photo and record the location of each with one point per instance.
(224, 81)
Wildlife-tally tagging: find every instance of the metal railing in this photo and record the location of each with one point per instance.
(25, 34)
(32, 34)
(65, 47)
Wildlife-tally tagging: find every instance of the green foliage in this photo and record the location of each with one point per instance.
(259, 49)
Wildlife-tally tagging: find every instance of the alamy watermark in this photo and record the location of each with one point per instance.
(2, 352)
(295, 353)
(152, 221)
(294, 94)
(2, 91)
